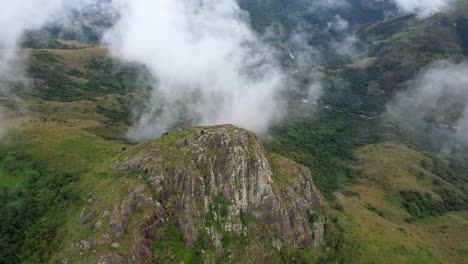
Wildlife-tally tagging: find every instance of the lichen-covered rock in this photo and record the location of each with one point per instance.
(110, 259)
(216, 186)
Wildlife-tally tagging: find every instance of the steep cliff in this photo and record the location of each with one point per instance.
(206, 194)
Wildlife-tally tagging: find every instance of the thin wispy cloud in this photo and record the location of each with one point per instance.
(435, 103)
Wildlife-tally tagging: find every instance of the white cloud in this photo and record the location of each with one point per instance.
(208, 62)
(345, 46)
(345, 43)
(436, 102)
(423, 8)
(337, 24)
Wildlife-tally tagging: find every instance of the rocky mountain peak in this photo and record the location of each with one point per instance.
(212, 184)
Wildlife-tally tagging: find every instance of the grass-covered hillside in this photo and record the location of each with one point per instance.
(56, 141)
(402, 209)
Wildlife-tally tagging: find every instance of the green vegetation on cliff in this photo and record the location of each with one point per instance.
(32, 207)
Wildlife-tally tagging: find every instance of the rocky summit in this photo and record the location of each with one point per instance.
(215, 187)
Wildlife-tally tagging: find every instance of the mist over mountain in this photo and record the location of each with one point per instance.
(212, 72)
(435, 102)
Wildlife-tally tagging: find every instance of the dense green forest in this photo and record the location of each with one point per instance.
(31, 209)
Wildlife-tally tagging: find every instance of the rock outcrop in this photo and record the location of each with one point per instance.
(213, 185)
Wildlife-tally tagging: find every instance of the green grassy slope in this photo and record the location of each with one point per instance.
(388, 231)
(54, 150)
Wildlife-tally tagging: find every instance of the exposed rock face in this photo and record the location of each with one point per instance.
(213, 183)
(110, 259)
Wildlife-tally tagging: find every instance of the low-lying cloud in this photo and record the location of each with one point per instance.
(210, 66)
(345, 43)
(436, 104)
(423, 8)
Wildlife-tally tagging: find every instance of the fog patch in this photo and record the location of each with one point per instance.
(210, 66)
(344, 41)
(436, 104)
(423, 8)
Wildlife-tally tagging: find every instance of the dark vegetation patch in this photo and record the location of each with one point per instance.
(118, 113)
(339, 241)
(38, 41)
(462, 30)
(102, 76)
(108, 76)
(454, 171)
(386, 28)
(30, 215)
(421, 205)
(323, 144)
(76, 73)
(349, 90)
(171, 247)
(376, 211)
